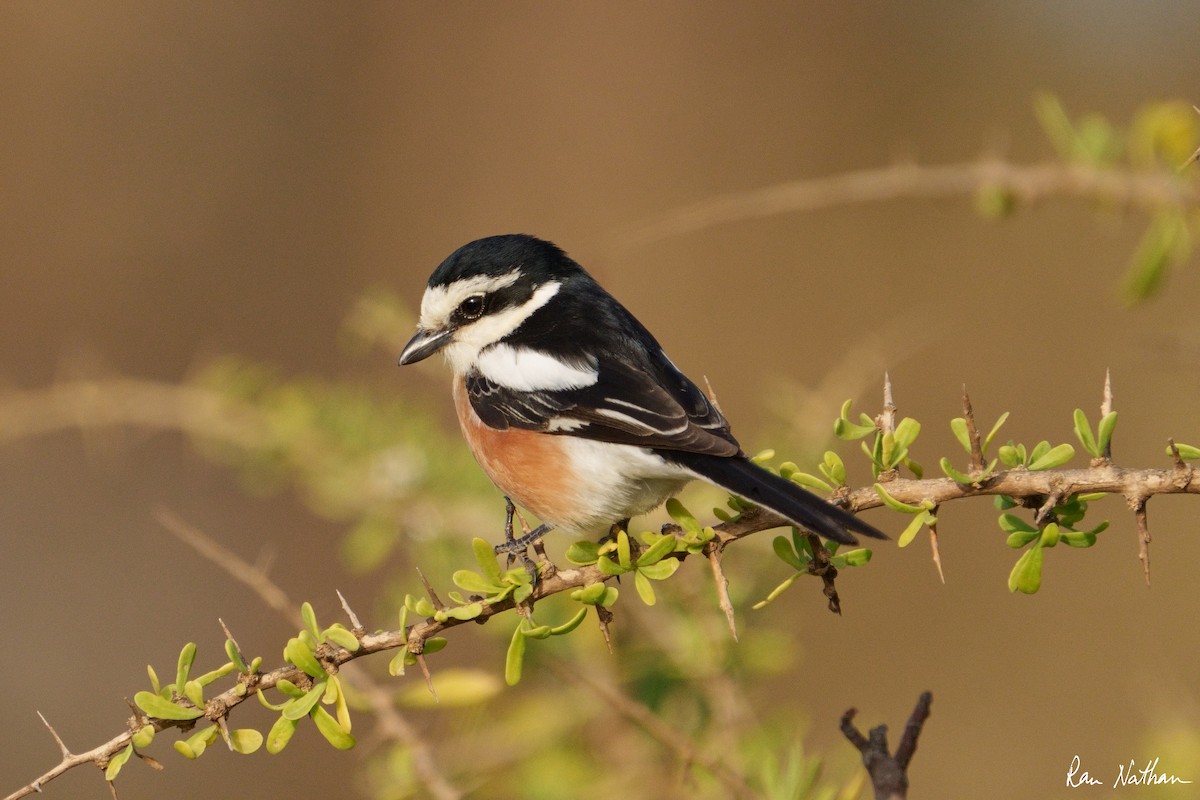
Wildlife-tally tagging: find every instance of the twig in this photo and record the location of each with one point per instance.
(712, 552)
(388, 719)
(1024, 183)
(1143, 534)
(972, 433)
(889, 773)
(733, 781)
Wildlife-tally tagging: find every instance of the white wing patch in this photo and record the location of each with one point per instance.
(525, 370)
(637, 423)
(563, 424)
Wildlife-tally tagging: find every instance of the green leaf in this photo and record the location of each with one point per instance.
(1011, 523)
(810, 482)
(309, 618)
(953, 474)
(1011, 456)
(187, 656)
(853, 558)
(235, 656)
(570, 624)
(660, 570)
(910, 532)
(682, 516)
(159, 707)
(1026, 575)
(245, 740)
(583, 552)
(193, 691)
(958, 426)
(624, 555)
(474, 582)
(609, 567)
(834, 468)
(1049, 536)
(657, 551)
(116, 762)
(1186, 451)
(644, 589)
(591, 594)
(298, 652)
(778, 590)
(1104, 431)
(419, 605)
(895, 504)
(1019, 539)
(342, 637)
(515, 657)
(1079, 538)
(218, 673)
(288, 688)
(1165, 243)
(843, 428)
(330, 729)
(485, 555)
(142, 738)
(299, 708)
(185, 750)
(465, 612)
(154, 684)
(280, 734)
(987, 440)
(534, 631)
(1052, 458)
(1083, 431)
(906, 432)
(787, 554)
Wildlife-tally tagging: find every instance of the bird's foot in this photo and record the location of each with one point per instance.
(517, 547)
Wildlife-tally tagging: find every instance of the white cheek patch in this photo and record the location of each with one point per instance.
(525, 370)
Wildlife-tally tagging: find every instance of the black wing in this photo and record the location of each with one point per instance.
(659, 409)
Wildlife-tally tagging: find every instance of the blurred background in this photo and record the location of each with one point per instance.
(184, 182)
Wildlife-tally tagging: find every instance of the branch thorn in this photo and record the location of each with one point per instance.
(355, 625)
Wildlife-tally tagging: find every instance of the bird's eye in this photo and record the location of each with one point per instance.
(471, 308)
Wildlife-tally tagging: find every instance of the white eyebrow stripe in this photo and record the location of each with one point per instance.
(526, 370)
(440, 301)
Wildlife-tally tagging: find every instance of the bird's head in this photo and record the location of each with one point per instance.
(482, 293)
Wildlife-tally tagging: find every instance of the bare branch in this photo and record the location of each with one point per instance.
(889, 773)
(1025, 183)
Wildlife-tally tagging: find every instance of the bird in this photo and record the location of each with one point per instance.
(571, 406)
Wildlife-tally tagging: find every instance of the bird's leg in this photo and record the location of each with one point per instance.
(614, 530)
(514, 547)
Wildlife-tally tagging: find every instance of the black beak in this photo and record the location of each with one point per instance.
(423, 345)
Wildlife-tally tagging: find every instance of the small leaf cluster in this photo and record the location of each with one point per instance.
(619, 555)
(922, 515)
(1160, 138)
(797, 553)
(183, 702)
(962, 433)
(889, 449)
(324, 688)
(1026, 575)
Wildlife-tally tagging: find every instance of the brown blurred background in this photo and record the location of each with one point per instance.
(182, 180)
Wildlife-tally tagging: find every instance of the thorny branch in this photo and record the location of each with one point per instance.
(146, 403)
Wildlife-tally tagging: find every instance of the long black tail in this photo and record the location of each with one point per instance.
(742, 477)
